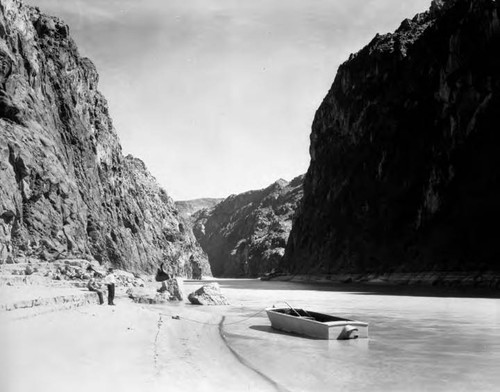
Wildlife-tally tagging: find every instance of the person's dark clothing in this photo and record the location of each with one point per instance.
(93, 285)
(111, 293)
(100, 295)
(110, 281)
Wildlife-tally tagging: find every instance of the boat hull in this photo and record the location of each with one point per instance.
(307, 324)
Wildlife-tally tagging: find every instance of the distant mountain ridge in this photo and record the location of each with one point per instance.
(66, 188)
(245, 235)
(189, 207)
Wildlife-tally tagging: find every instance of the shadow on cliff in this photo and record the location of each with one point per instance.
(358, 289)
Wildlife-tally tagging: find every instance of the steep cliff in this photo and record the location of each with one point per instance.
(246, 234)
(405, 152)
(66, 189)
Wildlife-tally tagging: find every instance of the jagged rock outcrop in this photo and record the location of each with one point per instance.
(190, 207)
(246, 234)
(405, 152)
(67, 190)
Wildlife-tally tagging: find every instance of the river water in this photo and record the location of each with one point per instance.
(420, 339)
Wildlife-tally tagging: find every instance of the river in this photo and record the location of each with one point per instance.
(420, 339)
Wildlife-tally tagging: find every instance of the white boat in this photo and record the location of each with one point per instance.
(316, 325)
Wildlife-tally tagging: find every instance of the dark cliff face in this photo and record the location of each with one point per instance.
(66, 189)
(246, 234)
(405, 152)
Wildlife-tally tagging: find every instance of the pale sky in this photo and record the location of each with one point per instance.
(218, 96)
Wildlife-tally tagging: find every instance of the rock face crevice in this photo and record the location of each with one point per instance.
(66, 188)
(405, 152)
(245, 235)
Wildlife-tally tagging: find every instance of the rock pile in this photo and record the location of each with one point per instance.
(170, 290)
(147, 296)
(72, 272)
(174, 288)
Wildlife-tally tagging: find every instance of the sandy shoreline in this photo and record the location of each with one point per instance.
(130, 347)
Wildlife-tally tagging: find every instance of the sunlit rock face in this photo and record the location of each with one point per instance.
(245, 235)
(66, 189)
(405, 152)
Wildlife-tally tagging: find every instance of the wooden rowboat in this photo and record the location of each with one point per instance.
(316, 325)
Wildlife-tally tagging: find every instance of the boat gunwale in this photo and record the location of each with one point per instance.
(338, 323)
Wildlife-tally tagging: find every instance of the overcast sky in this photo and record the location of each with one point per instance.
(218, 96)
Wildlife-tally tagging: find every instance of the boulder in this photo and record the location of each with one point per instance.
(29, 270)
(145, 296)
(208, 294)
(174, 288)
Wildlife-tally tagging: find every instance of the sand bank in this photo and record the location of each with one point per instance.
(129, 347)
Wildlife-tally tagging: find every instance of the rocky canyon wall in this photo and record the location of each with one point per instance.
(66, 190)
(405, 152)
(245, 235)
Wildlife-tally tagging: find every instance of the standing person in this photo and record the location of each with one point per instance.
(110, 281)
(95, 285)
(195, 268)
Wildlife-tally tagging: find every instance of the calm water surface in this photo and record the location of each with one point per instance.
(420, 339)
